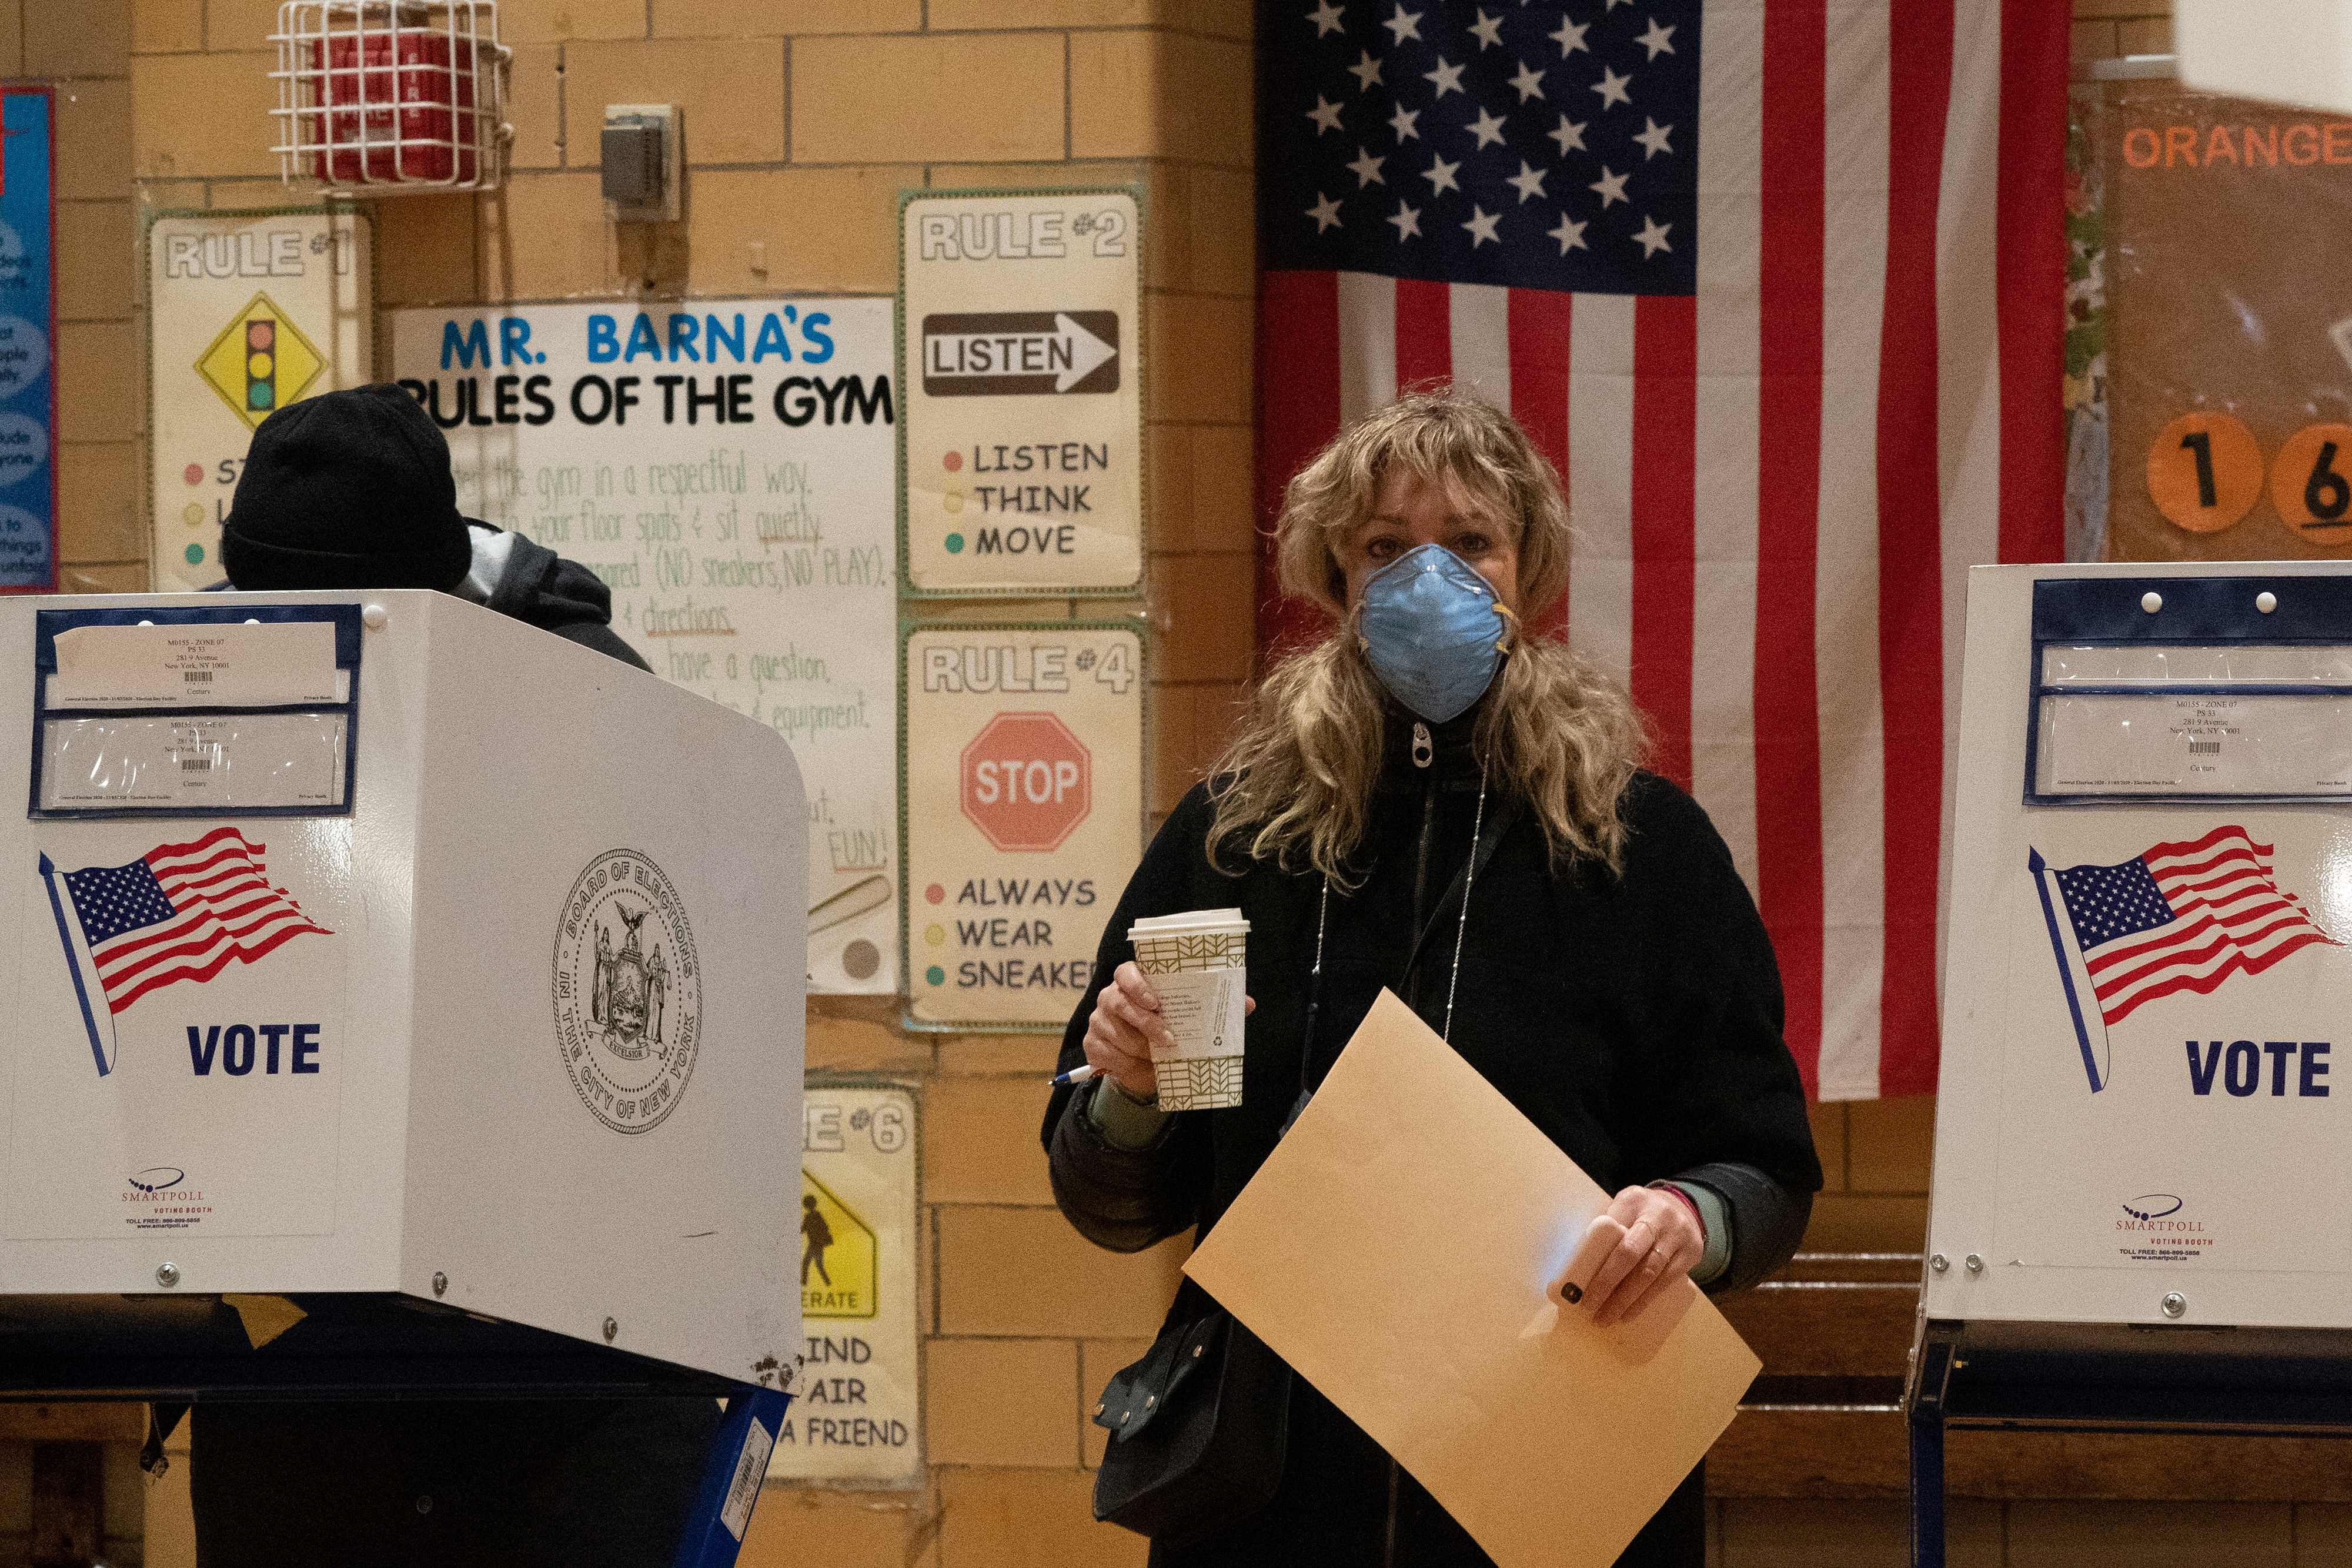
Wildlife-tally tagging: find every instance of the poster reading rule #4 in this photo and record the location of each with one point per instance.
(1020, 350)
(1025, 813)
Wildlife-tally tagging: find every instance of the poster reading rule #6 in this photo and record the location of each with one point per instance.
(1020, 357)
(1025, 813)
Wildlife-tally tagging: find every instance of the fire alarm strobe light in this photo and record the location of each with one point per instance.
(390, 96)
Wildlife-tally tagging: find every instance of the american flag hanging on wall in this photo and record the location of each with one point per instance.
(1778, 288)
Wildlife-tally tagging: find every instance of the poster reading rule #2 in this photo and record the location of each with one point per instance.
(1025, 818)
(1019, 354)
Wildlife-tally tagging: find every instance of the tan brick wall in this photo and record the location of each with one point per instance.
(2104, 28)
(803, 120)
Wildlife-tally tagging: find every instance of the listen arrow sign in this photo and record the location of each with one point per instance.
(1013, 352)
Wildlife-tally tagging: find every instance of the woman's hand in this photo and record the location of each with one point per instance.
(1662, 1242)
(1125, 1026)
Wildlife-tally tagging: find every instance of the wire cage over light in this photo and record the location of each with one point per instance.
(384, 97)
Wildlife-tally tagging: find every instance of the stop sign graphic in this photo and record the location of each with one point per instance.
(1027, 782)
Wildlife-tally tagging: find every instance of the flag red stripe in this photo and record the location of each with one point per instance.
(2030, 272)
(216, 885)
(1910, 540)
(180, 958)
(180, 872)
(1299, 410)
(189, 922)
(2199, 846)
(1789, 445)
(1665, 521)
(2240, 866)
(131, 944)
(2172, 875)
(192, 936)
(1539, 321)
(1425, 333)
(2173, 948)
(161, 853)
(116, 1004)
(2204, 985)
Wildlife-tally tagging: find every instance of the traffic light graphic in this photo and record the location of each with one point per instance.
(260, 362)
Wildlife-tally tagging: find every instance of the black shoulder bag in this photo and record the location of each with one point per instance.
(1200, 1429)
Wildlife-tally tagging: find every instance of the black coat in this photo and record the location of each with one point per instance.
(1635, 1018)
(542, 589)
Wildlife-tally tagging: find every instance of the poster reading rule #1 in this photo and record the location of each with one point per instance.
(1020, 351)
(1018, 848)
(28, 315)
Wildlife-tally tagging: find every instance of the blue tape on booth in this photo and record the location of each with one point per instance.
(2195, 610)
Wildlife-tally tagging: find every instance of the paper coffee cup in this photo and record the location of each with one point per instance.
(1196, 962)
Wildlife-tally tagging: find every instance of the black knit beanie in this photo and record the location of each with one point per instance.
(348, 489)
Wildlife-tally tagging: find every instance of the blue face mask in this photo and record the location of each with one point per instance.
(1432, 631)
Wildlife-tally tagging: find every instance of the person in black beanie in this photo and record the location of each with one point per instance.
(352, 490)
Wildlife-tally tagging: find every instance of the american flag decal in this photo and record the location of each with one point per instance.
(180, 912)
(2182, 917)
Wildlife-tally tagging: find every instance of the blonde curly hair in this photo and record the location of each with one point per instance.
(1295, 787)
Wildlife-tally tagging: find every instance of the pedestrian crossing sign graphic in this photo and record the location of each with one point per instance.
(260, 362)
(837, 1254)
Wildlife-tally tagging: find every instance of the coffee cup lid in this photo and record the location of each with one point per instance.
(1191, 923)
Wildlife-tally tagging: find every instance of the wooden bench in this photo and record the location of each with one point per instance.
(1825, 1419)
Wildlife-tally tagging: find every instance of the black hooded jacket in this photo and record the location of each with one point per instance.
(1635, 1018)
(542, 589)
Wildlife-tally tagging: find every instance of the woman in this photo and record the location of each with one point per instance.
(1441, 806)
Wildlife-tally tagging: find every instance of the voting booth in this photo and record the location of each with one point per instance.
(403, 1000)
(2141, 1218)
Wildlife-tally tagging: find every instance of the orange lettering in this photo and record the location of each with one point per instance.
(2268, 145)
(2304, 137)
(2338, 142)
(2220, 145)
(2180, 146)
(2142, 153)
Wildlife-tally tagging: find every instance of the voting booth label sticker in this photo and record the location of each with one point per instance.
(628, 992)
(187, 1001)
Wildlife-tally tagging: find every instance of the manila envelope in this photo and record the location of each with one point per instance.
(1396, 1248)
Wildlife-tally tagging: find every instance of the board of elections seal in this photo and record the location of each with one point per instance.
(628, 992)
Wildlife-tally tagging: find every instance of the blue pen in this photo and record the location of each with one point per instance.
(1077, 1075)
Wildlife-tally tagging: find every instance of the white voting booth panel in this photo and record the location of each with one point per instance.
(2147, 1075)
(508, 1016)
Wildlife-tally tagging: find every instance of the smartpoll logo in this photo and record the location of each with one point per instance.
(2181, 917)
(162, 1199)
(2156, 1230)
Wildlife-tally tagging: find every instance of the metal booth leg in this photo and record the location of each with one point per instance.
(732, 1473)
(1927, 1488)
